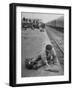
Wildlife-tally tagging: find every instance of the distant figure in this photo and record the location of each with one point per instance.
(42, 27)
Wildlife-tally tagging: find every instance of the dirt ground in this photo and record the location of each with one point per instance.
(33, 42)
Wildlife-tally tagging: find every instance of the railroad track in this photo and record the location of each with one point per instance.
(59, 52)
(59, 46)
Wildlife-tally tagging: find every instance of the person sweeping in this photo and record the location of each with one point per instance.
(45, 58)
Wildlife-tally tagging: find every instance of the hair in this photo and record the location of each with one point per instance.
(48, 47)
